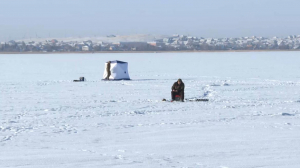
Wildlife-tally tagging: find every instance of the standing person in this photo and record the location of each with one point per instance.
(178, 89)
(108, 70)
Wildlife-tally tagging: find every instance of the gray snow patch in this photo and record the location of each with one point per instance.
(287, 114)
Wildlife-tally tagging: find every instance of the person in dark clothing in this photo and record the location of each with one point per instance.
(178, 89)
(108, 70)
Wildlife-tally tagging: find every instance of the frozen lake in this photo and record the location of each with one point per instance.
(252, 119)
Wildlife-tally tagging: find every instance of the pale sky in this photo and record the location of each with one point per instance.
(203, 18)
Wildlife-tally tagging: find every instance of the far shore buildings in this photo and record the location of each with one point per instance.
(171, 43)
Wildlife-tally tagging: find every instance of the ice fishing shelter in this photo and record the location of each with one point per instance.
(118, 70)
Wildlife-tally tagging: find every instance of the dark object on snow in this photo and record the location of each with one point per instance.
(81, 79)
(287, 114)
(201, 100)
(177, 98)
(177, 92)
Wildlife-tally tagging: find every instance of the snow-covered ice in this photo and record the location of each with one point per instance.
(252, 119)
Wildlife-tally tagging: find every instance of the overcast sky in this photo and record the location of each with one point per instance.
(210, 18)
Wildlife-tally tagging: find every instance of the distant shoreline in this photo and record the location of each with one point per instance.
(182, 51)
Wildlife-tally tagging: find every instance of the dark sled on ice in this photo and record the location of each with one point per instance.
(81, 79)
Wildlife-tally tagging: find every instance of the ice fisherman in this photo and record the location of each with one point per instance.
(178, 89)
(108, 70)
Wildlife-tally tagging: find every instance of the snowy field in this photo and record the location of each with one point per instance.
(251, 121)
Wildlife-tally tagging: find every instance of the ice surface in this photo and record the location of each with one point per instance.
(251, 120)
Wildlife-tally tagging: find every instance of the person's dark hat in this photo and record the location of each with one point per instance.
(179, 80)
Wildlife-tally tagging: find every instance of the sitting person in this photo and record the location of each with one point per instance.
(178, 89)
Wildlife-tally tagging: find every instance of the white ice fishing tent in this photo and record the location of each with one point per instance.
(118, 70)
